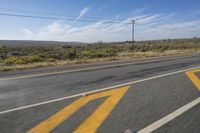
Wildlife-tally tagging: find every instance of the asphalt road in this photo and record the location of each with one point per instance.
(128, 96)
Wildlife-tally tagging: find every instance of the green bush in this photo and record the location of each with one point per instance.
(13, 60)
(51, 60)
(22, 60)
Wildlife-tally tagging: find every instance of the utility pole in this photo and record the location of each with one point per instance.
(133, 31)
(133, 34)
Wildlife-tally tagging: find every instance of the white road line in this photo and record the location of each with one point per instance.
(91, 68)
(91, 92)
(169, 117)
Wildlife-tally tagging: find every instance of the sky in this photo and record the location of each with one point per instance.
(155, 19)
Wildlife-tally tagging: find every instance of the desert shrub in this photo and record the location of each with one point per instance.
(13, 60)
(22, 60)
(110, 52)
(71, 54)
(30, 54)
(32, 59)
(51, 60)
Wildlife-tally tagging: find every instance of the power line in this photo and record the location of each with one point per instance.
(59, 14)
(121, 22)
(57, 18)
(73, 18)
(133, 29)
(52, 14)
(28, 11)
(164, 28)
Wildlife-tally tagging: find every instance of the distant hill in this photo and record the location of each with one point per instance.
(14, 43)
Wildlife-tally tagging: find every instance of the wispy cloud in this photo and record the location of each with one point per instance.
(27, 32)
(156, 26)
(83, 12)
(104, 5)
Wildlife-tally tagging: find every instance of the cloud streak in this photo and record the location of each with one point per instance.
(105, 5)
(27, 32)
(83, 12)
(156, 26)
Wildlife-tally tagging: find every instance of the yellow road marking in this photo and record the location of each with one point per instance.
(192, 76)
(91, 124)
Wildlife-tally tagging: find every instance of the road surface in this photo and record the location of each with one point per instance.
(160, 95)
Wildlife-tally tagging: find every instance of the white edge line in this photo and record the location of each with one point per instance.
(169, 117)
(91, 92)
(91, 68)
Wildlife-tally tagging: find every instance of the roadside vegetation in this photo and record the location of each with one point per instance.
(22, 57)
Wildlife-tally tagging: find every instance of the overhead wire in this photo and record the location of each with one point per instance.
(91, 20)
(164, 28)
(52, 14)
(57, 18)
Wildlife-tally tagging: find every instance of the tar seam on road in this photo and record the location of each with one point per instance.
(91, 92)
(169, 117)
(86, 69)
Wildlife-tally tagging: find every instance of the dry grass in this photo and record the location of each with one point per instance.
(121, 56)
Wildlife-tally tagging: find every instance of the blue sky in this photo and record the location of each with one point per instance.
(161, 19)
